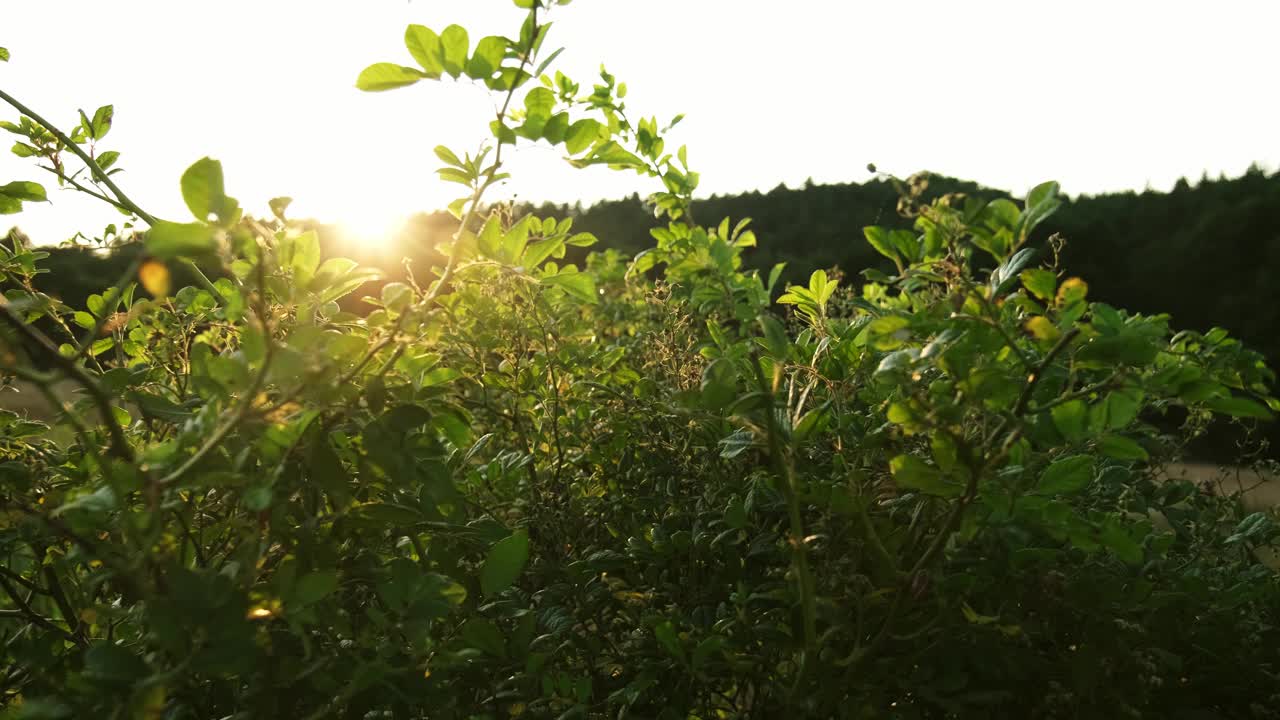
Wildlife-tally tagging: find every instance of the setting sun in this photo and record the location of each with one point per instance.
(372, 232)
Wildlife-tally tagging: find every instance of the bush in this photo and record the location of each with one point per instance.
(628, 489)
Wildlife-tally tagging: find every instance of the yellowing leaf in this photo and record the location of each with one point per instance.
(154, 277)
(1072, 291)
(1042, 329)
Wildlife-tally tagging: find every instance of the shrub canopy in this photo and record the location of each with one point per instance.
(634, 487)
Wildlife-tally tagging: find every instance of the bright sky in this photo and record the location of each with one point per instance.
(1101, 96)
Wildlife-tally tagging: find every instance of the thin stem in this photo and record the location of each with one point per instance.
(82, 188)
(1112, 381)
(785, 471)
(25, 610)
(1038, 372)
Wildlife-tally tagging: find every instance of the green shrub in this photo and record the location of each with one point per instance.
(628, 489)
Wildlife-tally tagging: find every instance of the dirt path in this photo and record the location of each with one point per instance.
(1259, 490)
(24, 399)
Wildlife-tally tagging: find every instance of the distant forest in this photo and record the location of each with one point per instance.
(1207, 253)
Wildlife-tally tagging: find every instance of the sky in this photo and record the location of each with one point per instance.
(1101, 96)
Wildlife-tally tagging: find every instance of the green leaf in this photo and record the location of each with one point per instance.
(101, 123)
(556, 128)
(1238, 406)
(1121, 448)
(581, 135)
(1004, 274)
(314, 587)
(515, 240)
(1042, 202)
(4, 54)
(504, 563)
(913, 473)
(538, 105)
(1115, 536)
(889, 332)
(107, 159)
(448, 156)
(1041, 283)
(541, 250)
(546, 62)
(1042, 193)
(489, 241)
(438, 376)
(384, 514)
(880, 239)
(1071, 419)
(1256, 528)
(611, 154)
(776, 340)
(735, 512)
(387, 76)
(114, 664)
(1116, 410)
(667, 636)
(102, 500)
(483, 635)
(170, 240)
(456, 206)
(580, 285)
(424, 45)
(1067, 475)
(203, 191)
(1128, 349)
(487, 57)
(279, 205)
(306, 257)
(24, 190)
(774, 273)
(454, 45)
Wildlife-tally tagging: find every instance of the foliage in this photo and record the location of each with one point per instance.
(625, 487)
(1218, 235)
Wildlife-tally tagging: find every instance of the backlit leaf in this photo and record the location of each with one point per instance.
(578, 284)
(454, 45)
(387, 76)
(171, 240)
(912, 473)
(424, 45)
